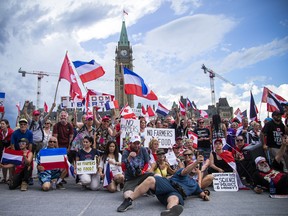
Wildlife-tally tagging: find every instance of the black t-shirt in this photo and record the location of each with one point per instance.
(274, 133)
(83, 155)
(203, 133)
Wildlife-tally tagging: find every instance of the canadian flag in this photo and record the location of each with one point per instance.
(182, 108)
(45, 107)
(150, 111)
(204, 114)
(127, 113)
(193, 136)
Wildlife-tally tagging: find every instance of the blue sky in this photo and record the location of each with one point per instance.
(244, 41)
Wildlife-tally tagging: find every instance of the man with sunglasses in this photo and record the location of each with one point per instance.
(49, 178)
(20, 133)
(203, 134)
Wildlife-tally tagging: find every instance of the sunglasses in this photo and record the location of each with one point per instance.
(47, 123)
(239, 140)
(187, 155)
(201, 122)
(51, 141)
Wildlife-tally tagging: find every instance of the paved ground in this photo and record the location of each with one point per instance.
(75, 202)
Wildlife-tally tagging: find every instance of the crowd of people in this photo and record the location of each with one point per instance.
(138, 170)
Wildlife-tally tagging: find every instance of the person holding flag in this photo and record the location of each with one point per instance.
(48, 178)
(23, 171)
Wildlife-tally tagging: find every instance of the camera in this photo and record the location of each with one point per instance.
(138, 171)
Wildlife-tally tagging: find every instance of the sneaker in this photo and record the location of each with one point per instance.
(126, 204)
(64, 181)
(174, 211)
(31, 181)
(118, 187)
(60, 186)
(24, 186)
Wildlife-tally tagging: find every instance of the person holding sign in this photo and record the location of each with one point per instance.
(49, 178)
(135, 164)
(171, 192)
(111, 163)
(88, 154)
(217, 164)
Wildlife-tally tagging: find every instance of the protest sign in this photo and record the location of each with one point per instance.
(166, 137)
(225, 182)
(86, 167)
(128, 128)
(138, 112)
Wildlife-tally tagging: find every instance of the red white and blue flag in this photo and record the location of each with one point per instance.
(274, 103)
(108, 175)
(111, 105)
(53, 158)
(162, 110)
(11, 156)
(2, 99)
(88, 71)
(253, 109)
(135, 85)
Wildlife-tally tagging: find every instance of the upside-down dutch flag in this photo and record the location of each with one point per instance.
(162, 110)
(88, 71)
(11, 156)
(2, 99)
(135, 85)
(229, 159)
(274, 103)
(53, 158)
(108, 175)
(111, 105)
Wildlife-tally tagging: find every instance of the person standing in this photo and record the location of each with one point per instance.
(203, 134)
(63, 131)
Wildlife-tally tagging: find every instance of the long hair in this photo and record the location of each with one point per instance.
(90, 139)
(106, 152)
(6, 122)
(216, 122)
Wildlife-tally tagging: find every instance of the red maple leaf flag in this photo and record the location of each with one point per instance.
(45, 107)
(182, 108)
(67, 73)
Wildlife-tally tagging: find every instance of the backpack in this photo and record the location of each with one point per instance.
(40, 126)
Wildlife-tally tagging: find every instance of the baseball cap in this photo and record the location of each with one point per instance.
(24, 140)
(89, 117)
(218, 140)
(259, 159)
(135, 138)
(105, 118)
(23, 120)
(36, 112)
(160, 151)
(275, 113)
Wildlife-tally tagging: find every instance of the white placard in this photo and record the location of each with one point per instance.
(128, 128)
(225, 182)
(166, 137)
(138, 112)
(86, 167)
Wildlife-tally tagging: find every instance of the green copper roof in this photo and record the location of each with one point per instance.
(123, 36)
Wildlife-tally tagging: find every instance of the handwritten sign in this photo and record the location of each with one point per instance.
(166, 137)
(86, 167)
(138, 112)
(94, 100)
(68, 102)
(225, 182)
(128, 128)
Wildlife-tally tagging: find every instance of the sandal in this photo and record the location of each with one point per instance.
(206, 197)
(4, 181)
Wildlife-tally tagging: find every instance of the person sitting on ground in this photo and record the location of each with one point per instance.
(152, 150)
(161, 167)
(135, 161)
(264, 173)
(50, 178)
(217, 164)
(24, 170)
(196, 173)
(170, 192)
(87, 153)
(113, 157)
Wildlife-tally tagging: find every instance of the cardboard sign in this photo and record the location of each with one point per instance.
(128, 128)
(86, 167)
(94, 100)
(166, 137)
(225, 182)
(138, 112)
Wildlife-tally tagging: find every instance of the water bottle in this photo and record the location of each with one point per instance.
(272, 188)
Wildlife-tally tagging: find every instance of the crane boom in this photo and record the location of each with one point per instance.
(40, 76)
(212, 74)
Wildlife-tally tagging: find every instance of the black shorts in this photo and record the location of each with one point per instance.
(133, 183)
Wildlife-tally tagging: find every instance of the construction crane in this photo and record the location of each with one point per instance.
(40, 75)
(212, 74)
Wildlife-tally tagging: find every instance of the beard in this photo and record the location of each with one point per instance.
(264, 168)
